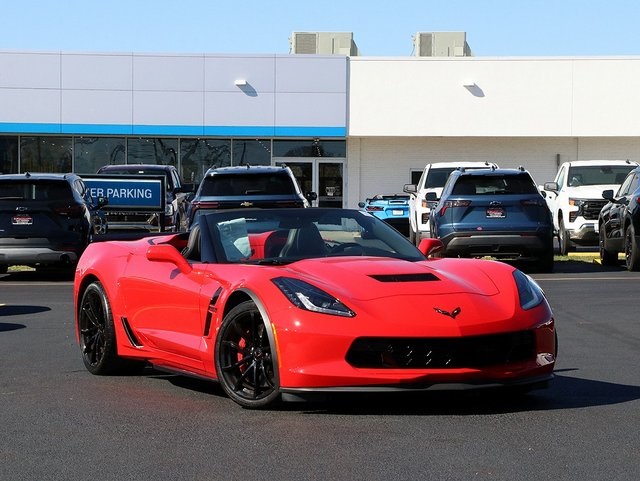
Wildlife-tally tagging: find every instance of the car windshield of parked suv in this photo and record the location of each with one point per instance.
(247, 184)
(437, 177)
(494, 184)
(598, 174)
(35, 190)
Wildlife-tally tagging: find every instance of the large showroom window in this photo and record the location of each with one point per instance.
(309, 148)
(8, 155)
(152, 151)
(91, 153)
(252, 152)
(46, 154)
(197, 155)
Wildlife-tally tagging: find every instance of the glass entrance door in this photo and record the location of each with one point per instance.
(330, 184)
(324, 177)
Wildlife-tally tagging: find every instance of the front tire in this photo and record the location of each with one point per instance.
(607, 257)
(244, 358)
(97, 332)
(563, 240)
(631, 253)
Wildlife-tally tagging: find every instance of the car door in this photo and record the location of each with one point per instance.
(614, 224)
(167, 308)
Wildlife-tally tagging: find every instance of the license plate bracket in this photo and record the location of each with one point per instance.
(496, 213)
(22, 220)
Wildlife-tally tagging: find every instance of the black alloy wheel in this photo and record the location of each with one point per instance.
(631, 252)
(244, 358)
(97, 332)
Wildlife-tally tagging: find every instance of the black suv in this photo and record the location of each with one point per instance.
(46, 219)
(619, 223)
(247, 186)
(494, 212)
(175, 215)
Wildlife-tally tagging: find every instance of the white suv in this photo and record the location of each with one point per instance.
(575, 198)
(433, 178)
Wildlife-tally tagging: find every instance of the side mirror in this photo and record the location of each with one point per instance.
(186, 188)
(551, 186)
(167, 253)
(361, 205)
(410, 188)
(430, 246)
(608, 194)
(311, 196)
(431, 197)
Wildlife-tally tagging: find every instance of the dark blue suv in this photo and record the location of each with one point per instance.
(494, 212)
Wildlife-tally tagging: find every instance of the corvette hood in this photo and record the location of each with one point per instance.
(367, 278)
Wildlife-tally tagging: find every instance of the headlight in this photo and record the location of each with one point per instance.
(308, 297)
(529, 292)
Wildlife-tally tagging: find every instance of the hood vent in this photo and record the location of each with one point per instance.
(426, 277)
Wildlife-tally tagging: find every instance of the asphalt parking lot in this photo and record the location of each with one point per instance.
(60, 422)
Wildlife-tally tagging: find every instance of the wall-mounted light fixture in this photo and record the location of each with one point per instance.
(468, 84)
(240, 82)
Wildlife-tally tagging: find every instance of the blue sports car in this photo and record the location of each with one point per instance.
(391, 208)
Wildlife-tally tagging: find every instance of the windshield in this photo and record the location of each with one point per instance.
(247, 184)
(437, 177)
(492, 184)
(280, 236)
(36, 190)
(598, 175)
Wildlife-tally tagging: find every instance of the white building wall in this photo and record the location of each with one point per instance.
(504, 97)
(534, 112)
(384, 164)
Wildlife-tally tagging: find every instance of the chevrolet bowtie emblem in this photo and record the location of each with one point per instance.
(451, 314)
(246, 204)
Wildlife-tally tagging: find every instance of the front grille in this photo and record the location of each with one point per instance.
(442, 353)
(591, 209)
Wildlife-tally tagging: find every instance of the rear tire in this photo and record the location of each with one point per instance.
(545, 262)
(97, 332)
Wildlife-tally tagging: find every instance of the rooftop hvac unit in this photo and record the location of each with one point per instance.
(326, 43)
(441, 44)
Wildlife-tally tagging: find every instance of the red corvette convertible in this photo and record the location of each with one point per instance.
(275, 302)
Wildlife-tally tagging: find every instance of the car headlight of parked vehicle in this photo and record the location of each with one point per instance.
(529, 292)
(308, 297)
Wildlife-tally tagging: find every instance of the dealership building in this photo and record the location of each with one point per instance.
(350, 126)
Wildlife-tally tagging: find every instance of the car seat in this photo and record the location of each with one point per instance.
(576, 180)
(305, 241)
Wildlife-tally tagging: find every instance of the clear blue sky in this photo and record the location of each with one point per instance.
(380, 28)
